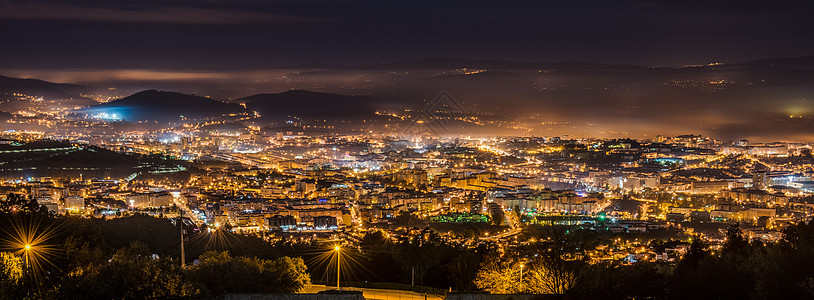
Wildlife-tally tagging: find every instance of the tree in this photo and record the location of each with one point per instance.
(550, 266)
(696, 252)
(463, 270)
(221, 273)
(11, 276)
(549, 273)
(641, 280)
(407, 219)
(11, 268)
(131, 273)
(735, 241)
(420, 253)
(379, 255)
(497, 219)
(499, 275)
(85, 246)
(18, 204)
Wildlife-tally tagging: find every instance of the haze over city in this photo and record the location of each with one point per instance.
(716, 69)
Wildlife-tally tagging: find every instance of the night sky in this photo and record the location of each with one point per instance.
(239, 34)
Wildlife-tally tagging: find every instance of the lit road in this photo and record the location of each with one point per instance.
(514, 227)
(187, 213)
(645, 200)
(379, 294)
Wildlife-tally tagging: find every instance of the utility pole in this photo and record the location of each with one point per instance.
(337, 269)
(412, 277)
(27, 253)
(181, 222)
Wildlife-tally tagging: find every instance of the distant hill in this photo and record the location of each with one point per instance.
(762, 65)
(224, 127)
(152, 105)
(309, 105)
(45, 89)
(319, 65)
(58, 158)
(460, 63)
(803, 62)
(5, 116)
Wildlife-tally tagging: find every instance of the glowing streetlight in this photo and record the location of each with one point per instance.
(338, 252)
(521, 277)
(26, 253)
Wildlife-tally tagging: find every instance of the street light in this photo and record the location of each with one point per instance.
(521, 277)
(26, 254)
(338, 252)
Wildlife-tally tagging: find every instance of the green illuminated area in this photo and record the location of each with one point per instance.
(461, 218)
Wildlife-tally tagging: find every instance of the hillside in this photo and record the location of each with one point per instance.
(56, 158)
(18, 94)
(309, 105)
(40, 88)
(160, 106)
(461, 63)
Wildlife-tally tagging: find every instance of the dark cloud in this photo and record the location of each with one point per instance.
(41, 11)
(243, 34)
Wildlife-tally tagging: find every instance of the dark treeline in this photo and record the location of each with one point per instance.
(424, 258)
(558, 262)
(420, 256)
(138, 257)
(135, 257)
(739, 269)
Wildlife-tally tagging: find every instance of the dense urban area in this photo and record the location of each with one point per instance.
(205, 209)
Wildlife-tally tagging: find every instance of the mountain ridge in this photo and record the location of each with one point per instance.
(308, 104)
(155, 105)
(454, 63)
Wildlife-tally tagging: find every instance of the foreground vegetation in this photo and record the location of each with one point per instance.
(739, 270)
(137, 257)
(48, 257)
